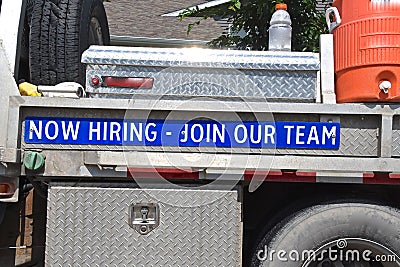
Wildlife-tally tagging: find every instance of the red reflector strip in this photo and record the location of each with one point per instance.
(368, 175)
(7, 189)
(277, 176)
(311, 174)
(138, 83)
(381, 178)
(166, 173)
(394, 175)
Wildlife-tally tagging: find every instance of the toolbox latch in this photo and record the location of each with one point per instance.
(144, 217)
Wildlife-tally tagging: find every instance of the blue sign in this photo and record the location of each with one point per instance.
(79, 131)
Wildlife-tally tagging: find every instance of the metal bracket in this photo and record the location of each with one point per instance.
(327, 72)
(386, 136)
(144, 217)
(339, 177)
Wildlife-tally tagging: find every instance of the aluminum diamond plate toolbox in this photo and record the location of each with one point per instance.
(192, 72)
(96, 226)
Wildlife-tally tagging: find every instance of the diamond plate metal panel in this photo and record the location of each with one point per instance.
(224, 73)
(300, 84)
(88, 227)
(396, 143)
(396, 137)
(204, 58)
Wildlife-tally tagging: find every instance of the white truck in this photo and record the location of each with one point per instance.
(182, 156)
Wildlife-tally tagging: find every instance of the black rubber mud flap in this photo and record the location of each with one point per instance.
(340, 227)
(60, 30)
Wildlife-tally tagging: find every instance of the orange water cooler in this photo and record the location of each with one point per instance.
(367, 49)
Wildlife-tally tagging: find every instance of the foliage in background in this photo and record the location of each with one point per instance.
(253, 17)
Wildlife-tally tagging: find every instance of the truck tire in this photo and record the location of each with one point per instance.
(340, 227)
(60, 30)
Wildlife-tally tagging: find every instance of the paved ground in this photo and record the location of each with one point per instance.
(142, 18)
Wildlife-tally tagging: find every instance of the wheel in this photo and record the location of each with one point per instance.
(334, 235)
(60, 30)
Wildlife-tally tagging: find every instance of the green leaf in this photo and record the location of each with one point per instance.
(189, 28)
(237, 4)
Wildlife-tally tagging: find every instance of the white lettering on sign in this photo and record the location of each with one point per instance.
(34, 129)
(47, 130)
(215, 133)
(243, 135)
(252, 134)
(137, 131)
(94, 130)
(289, 132)
(328, 135)
(52, 130)
(313, 136)
(147, 133)
(125, 132)
(115, 129)
(71, 129)
(299, 133)
(200, 136)
(219, 132)
(269, 133)
(198, 132)
(105, 130)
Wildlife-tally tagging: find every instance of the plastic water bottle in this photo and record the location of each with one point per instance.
(280, 31)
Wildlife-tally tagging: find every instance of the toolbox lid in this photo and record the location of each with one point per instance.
(198, 57)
